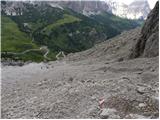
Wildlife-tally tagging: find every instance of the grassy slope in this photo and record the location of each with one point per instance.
(116, 23)
(13, 39)
(58, 30)
(66, 19)
(56, 35)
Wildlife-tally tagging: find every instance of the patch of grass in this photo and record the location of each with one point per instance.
(36, 56)
(14, 40)
(66, 19)
(115, 25)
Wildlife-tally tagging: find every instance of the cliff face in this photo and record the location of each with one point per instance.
(85, 7)
(148, 44)
(136, 10)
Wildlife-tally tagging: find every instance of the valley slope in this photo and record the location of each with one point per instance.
(54, 29)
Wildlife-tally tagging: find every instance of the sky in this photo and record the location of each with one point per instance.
(151, 2)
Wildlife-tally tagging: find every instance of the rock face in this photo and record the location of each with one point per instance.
(136, 10)
(147, 44)
(12, 8)
(85, 7)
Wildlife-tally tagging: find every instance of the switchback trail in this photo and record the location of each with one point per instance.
(60, 53)
(26, 51)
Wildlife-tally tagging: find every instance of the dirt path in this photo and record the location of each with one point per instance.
(26, 51)
(45, 55)
(60, 53)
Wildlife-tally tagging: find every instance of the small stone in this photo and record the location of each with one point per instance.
(39, 84)
(120, 59)
(89, 81)
(155, 101)
(139, 72)
(125, 78)
(106, 113)
(47, 67)
(93, 97)
(70, 79)
(141, 90)
(152, 69)
(142, 105)
(82, 81)
(45, 79)
(134, 116)
(114, 117)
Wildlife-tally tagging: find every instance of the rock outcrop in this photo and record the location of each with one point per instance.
(147, 44)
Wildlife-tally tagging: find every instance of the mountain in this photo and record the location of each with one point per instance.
(138, 9)
(96, 83)
(52, 28)
(137, 43)
(86, 8)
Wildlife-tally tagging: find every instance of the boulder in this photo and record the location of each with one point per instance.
(109, 113)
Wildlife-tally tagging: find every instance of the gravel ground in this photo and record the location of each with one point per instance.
(74, 87)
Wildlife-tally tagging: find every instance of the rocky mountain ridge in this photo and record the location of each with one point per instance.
(136, 10)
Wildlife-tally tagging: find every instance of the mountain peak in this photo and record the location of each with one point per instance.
(140, 2)
(138, 9)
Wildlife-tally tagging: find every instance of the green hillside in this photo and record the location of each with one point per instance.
(58, 30)
(65, 20)
(117, 24)
(14, 40)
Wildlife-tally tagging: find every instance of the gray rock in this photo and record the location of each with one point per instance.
(142, 105)
(108, 113)
(148, 44)
(141, 89)
(155, 101)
